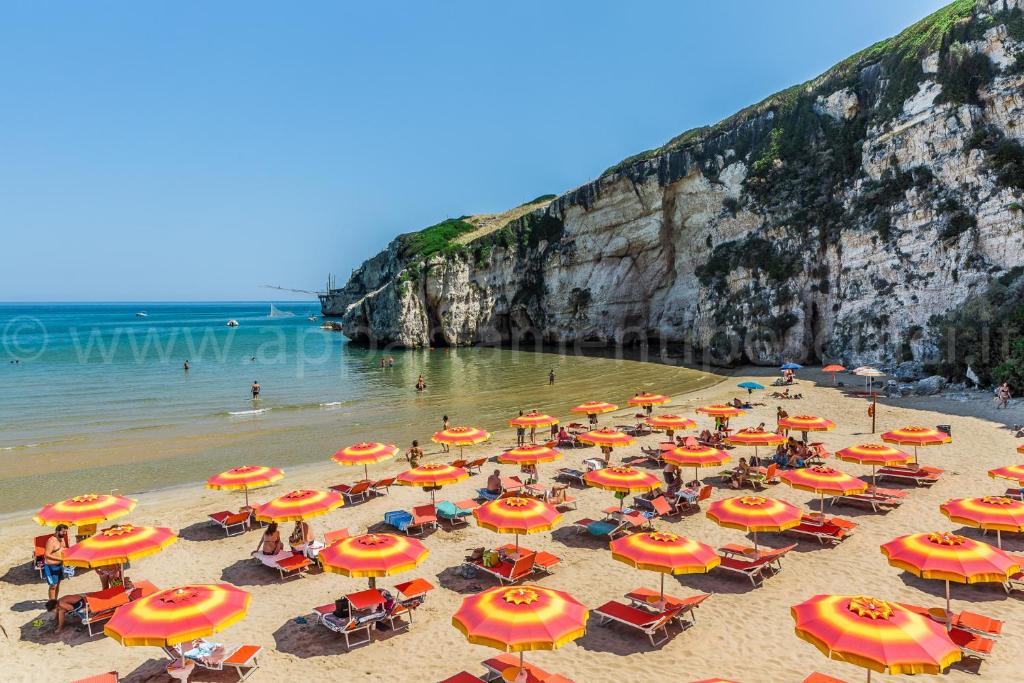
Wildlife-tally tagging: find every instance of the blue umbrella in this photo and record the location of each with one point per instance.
(750, 385)
(792, 366)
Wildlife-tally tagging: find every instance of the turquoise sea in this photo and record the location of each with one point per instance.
(98, 399)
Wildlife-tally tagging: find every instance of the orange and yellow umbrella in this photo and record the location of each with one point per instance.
(531, 454)
(461, 436)
(119, 545)
(607, 437)
(997, 513)
(666, 553)
(832, 370)
(721, 410)
(517, 515)
(755, 513)
(874, 634)
(949, 557)
(517, 619)
(432, 476)
(821, 480)
(90, 508)
(873, 454)
(176, 615)
(533, 419)
(299, 505)
(696, 456)
(365, 453)
(245, 477)
(916, 436)
(622, 479)
(806, 423)
(647, 399)
(755, 438)
(670, 423)
(373, 555)
(1012, 472)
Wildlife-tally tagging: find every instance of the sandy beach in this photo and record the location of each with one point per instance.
(741, 633)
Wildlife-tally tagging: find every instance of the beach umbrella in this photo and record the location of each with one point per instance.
(521, 618)
(822, 480)
(755, 438)
(594, 408)
(916, 436)
(365, 453)
(670, 423)
(533, 419)
(298, 505)
(750, 386)
(806, 423)
(721, 410)
(1011, 472)
(517, 515)
(874, 634)
(176, 615)
(755, 513)
(873, 454)
(531, 454)
(696, 456)
(460, 436)
(607, 437)
(90, 508)
(622, 479)
(648, 399)
(869, 373)
(833, 369)
(245, 477)
(791, 366)
(949, 557)
(996, 513)
(118, 545)
(665, 553)
(373, 555)
(432, 476)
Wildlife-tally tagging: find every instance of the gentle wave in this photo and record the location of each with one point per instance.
(257, 411)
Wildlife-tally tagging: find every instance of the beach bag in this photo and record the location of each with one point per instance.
(341, 608)
(490, 558)
(69, 572)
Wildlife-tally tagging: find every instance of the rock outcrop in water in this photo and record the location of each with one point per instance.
(841, 218)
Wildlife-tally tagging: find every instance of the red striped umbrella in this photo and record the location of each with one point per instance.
(806, 423)
(531, 454)
(666, 553)
(670, 423)
(177, 615)
(607, 437)
(517, 515)
(997, 513)
(696, 456)
(755, 513)
(299, 505)
(873, 454)
(721, 410)
(874, 634)
(622, 479)
(245, 477)
(119, 545)
(832, 370)
(949, 557)
(373, 555)
(647, 399)
(533, 419)
(821, 480)
(365, 453)
(90, 508)
(432, 476)
(461, 436)
(1012, 472)
(594, 408)
(916, 436)
(755, 438)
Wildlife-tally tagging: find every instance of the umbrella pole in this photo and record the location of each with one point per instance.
(517, 545)
(662, 586)
(246, 489)
(755, 541)
(366, 471)
(999, 539)
(949, 614)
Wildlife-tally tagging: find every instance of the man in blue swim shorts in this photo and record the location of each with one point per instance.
(53, 559)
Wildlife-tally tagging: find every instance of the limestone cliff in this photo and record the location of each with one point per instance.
(835, 219)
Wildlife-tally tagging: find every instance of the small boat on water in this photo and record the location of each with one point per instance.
(311, 318)
(232, 323)
(141, 314)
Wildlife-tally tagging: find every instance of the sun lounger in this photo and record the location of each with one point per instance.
(603, 527)
(382, 487)
(349, 628)
(638, 619)
(232, 520)
(407, 522)
(285, 562)
(758, 478)
(978, 623)
(354, 493)
(100, 605)
(876, 499)
(216, 657)
(496, 666)
(460, 463)
(453, 513)
(644, 598)
(1016, 581)
(1014, 493)
(335, 536)
(509, 572)
(972, 644)
(474, 466)
(921, 476)
(38, 551)
(543, 562)
(653, 507)
(822, 530)
(574, 476)
(463, 677)
(821, 678)
(754, 569)
(109, 677)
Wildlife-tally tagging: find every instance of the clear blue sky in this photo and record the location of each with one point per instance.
(174, 150)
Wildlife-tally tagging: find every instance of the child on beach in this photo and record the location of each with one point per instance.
(444, 427)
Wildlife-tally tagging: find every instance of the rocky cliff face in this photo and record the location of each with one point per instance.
(836, 219)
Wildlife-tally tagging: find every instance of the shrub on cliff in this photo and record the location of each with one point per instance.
(433, 239)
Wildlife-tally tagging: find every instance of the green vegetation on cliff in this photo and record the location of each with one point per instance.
(433, 239)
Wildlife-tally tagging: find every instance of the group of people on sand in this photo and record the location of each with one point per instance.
(300, 540)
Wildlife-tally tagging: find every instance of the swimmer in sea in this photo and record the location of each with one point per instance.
(255, 390)
(186, 366)
(421, 384)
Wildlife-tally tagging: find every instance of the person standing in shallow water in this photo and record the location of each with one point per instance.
(444, 427)
(551, 376)
(255, 390)
(421, 383)
(186, 366)
(520, 432)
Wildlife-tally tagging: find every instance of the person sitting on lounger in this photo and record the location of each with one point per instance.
(781, 456)
(530, 470)
(270, 543)
(301, 540)
(740, 474)
(494, 483)
(795, 459)
(606, 455)
(67, 603)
